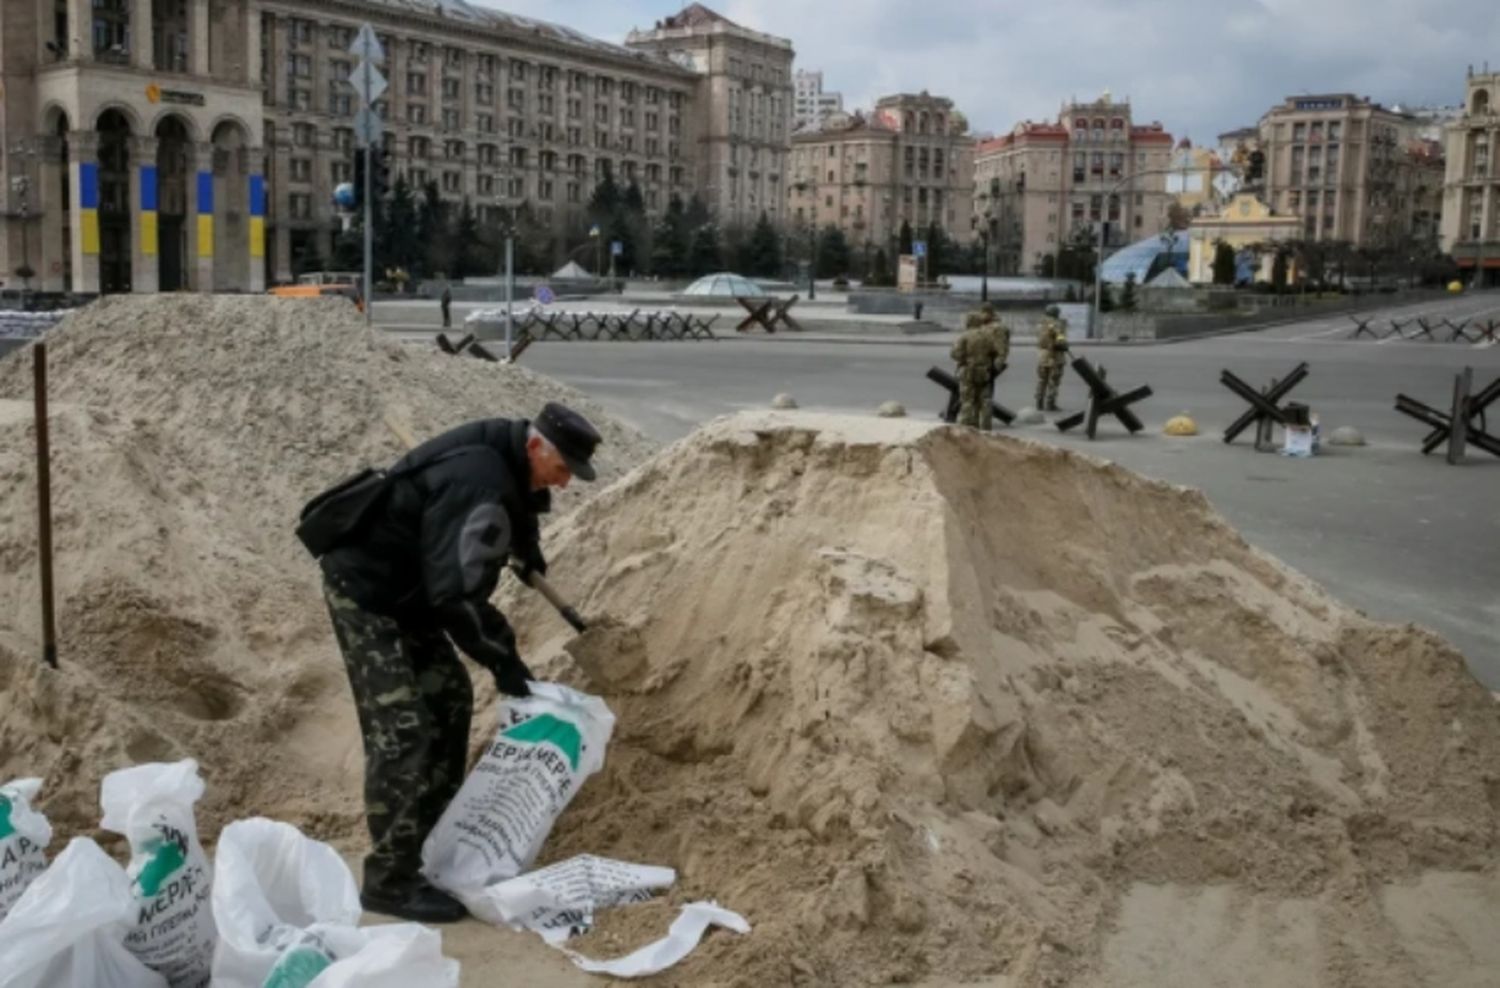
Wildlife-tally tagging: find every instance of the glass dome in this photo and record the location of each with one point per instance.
(1148, 258)
(725, 285)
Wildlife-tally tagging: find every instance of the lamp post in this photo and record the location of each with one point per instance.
(595, 234)
(984, 239)
(812, 262)
(21, 186)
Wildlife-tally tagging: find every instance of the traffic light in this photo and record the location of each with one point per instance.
(359, 180)
(382, 176)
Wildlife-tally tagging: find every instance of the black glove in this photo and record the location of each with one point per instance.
(531, 562)
(513, 678)
(1061, 347)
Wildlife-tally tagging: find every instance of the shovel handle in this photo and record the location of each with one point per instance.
(539, 583)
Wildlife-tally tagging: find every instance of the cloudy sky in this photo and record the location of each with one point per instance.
(1198, 66)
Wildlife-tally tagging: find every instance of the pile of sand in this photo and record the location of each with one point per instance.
(187, 431)
(927, 705)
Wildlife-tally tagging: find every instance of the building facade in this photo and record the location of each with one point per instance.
(1046, 185)
(1190, 182)
(1352, 170)
(813, 106)
(910, 161)
(1471, 188)
(151, 147)
(742, 115)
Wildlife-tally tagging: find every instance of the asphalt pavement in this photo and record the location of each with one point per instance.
(1404, 537)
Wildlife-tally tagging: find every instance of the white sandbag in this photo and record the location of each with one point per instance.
(287, 910)
(559, 901)
(68, 929)
(173, 930)
(547, 745)
(24, 836)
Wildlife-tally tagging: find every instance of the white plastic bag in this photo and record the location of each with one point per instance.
(559, 901)
(173, 930)
(287, 908)
(547, 745)
(68, 929)
(24, 836)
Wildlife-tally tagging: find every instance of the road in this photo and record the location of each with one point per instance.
(1403, 537)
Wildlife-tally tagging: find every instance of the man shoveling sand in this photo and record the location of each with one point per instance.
(411, 573)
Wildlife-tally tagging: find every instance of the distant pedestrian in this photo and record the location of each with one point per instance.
(447, 304)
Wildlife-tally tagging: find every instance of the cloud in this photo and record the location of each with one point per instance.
(1200, 68)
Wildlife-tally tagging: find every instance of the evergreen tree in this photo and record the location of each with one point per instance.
(473, 257)
(434, 234)
(833, 253)
(1106, 297)
(1279, 272)
(880, 270)
(763, 250)
(669, 241)
(696, 214)
(906, 237)
(703, 253)
(402, 238)
(940, 259)
(1223, 264)
(1128, 293)
(1047, 266)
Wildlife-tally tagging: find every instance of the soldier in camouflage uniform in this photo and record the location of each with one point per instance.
(1052, 341)
(980, 355)
(410, 582)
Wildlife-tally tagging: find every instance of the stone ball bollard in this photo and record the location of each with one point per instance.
(1181, 425)
(784, 402)
(1346, 436)
(891, 410)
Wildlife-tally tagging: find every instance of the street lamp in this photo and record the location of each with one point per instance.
(20, 185)
(984, 238)
(595, 235)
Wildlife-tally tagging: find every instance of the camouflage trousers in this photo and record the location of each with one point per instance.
(1048, 380)
(415, 701)
(975, 392)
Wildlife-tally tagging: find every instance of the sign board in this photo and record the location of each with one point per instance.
(544, 295)
(919, 248)
(367, 45)
(368, 83)
(616, 248)
(906, 273)
(1226, 184)
(369, 129)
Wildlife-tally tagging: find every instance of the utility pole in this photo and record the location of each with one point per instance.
(369, 84)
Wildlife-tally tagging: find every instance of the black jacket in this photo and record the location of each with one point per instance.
(432, 554)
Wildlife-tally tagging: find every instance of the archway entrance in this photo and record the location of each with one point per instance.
(173, 151)
(114, 202)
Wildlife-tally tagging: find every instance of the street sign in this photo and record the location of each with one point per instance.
(544, 295)
(919, 248)
(616, 248)
(367, 45)
(594, 230)
(367, 82)
(369, 129)
(1226, 184)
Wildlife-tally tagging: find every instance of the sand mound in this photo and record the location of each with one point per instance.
(926, 705)
(187, 432)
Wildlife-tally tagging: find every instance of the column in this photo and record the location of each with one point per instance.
(145, 259)
(251, 20)
(200, 220)
(81, 33)
(199, 60)
(257, 212)
(141, 40)
(83, 168)
(51, 211)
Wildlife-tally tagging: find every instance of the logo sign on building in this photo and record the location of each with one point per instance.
(919, 248)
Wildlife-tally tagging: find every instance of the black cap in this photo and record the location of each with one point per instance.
(573, 436)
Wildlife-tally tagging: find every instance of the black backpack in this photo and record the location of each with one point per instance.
(343, 511)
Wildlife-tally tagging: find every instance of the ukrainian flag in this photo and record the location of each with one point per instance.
(148, 210)
(88, 203)
(257, 216)
(205, 214)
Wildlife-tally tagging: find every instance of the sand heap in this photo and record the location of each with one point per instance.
(187, 432)
(927, 706)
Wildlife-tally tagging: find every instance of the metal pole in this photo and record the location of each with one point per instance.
(510, 290)
(812, 263)
(984, 275)
(44, 503)
(369, 220)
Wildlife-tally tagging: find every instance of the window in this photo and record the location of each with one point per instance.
(515, 99)
(1334, 129)
(453, 150)
(340, 37)
(574, 192)
(340, 171)
(340, 100)
(518, 157)
(1080, 160)
(518, 71)
(485, 123)
(303, 135)
(416, 113)
(452, 182)
(451, 88)
(419, 147)
(299, 32)
(418, 178)
(419, 52)
(489, 154)
(484, 67)
(486, 184)
(451, 120)
(299, 66)
(1299, 132)
(301, 169)
(302, 99)
(544, 190)
(301, 206)
(515, 127)
(517, 188)
(343, 138)
(416, 83)
(546, 105)
(453, 58)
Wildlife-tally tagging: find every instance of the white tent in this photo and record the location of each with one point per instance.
(1169, 278)
(572, 271)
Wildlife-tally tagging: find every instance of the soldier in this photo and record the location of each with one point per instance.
(410, 582)
(1053, 342)
(979, 360)
(1000, 337)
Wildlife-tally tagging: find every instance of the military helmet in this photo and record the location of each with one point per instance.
(973, 320)
(987, 310)
(1053, 311)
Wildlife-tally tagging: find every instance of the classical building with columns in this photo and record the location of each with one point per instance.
(195, 144)
(1471, 188)
(132, 135)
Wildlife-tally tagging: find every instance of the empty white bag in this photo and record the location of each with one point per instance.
(24, 836)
